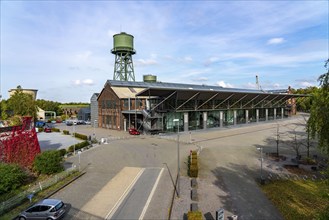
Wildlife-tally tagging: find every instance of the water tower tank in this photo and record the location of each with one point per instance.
(123, 42)
(123, 49)
(150, 78)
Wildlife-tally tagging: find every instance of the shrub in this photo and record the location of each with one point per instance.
(40, 129)
(196, 215)
(66, 132)
(62, 152)
(194, 170)
(11, 177)
(48, 162)
(194, 163)
(78, 146)
(55, 130)
(80, 136)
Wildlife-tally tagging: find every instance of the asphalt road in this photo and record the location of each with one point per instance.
(105, 162)
(136, 201)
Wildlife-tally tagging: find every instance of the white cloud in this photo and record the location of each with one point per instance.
(145, 62)
(278, 40)
(224, 85)
(306, 84)
(87, 82)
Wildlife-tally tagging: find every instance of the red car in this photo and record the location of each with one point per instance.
(47, 130)
(133, 131)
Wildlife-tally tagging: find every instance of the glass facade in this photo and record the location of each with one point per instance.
(213, 119)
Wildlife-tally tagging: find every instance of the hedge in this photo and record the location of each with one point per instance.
(62, 152)
(193, 168)
(196, 215)
(78, 146)
(66, 132)
(55, 130)
(80, 136)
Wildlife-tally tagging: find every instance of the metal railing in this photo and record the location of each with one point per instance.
(36, 188)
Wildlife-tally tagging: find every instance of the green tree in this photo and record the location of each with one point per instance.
(318, 123)
(4, 110)
(21, 104)
(304, 104)
(12, 177)
(48, 162)
(49, 106)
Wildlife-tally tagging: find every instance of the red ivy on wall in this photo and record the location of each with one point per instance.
(19, 144)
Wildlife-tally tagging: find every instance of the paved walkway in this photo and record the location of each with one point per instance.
(230, 170)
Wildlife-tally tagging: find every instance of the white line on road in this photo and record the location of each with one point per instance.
(151, 195)
(115, 207)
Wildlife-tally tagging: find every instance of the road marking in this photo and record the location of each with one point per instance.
(151, 195)
(108, 196)
(117, 204)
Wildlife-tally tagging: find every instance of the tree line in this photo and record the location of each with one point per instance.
(23, 104)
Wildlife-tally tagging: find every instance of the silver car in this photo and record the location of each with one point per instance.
(48, 209)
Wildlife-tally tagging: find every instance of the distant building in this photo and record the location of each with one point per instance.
(94, 109)
(32, 92)
(84, 114)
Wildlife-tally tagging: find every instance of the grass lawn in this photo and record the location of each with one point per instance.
(299, 199)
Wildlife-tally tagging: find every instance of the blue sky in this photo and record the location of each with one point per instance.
(62, 48)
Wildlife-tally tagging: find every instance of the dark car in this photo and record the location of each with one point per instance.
(133, 131)
(50, 209)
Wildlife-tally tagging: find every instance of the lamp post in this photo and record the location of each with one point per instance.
(74, 138)
(178, 167)
(79, 153)
(261, 164)
(94, 134)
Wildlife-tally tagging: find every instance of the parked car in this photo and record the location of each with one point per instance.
(81, 122)
(47, 129)
(45, 209)
(69, 123)
(133, 131)
(40, 124)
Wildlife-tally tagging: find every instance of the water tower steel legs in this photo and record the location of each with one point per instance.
(123, 67)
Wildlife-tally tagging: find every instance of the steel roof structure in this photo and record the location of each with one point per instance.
(215, 95)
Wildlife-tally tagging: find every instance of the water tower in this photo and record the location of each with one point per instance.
(123, 48)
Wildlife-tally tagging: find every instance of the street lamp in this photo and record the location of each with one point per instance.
(79, 153)
(74, 138)
(178, 167)
(261, 164)
(94, 134)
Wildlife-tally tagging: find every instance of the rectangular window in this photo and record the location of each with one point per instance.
(108, 103)
(125, 103)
